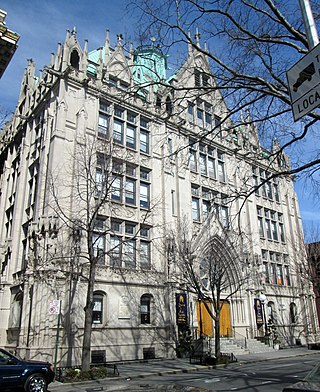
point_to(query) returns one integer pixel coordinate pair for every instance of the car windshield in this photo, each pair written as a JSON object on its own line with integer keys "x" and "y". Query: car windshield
{"x": 5, "y": 356}
{"x": 314, "y": 375}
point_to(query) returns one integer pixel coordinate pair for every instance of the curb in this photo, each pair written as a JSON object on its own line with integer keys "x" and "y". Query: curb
{"x": 56, "y": 386}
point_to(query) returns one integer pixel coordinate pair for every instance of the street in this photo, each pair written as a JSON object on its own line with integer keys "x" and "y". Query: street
{"x": 263, "y": 376}
{"x": 256, "y": 377}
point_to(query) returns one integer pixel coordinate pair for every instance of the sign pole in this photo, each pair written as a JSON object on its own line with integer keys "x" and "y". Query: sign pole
{"x": 308, "y": 21}
{"x": 57, "y": 339}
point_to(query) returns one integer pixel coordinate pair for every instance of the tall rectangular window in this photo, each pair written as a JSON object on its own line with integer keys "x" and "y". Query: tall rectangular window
{"x": 131, "y": 136}
{"x": 274, "y": 230}
{"x": 98, "y": 244}
{"x": 103, "y": 120}
{"x": 205, "y": 209}
{"x": 195, "y": 209}
{"x": 190, "y": 112}
{"x": 203, "y": 164}
{"x": 116, "y": 189}
{"x": 269, "y": 190}
{"x": 221, "y": 172}
{"x": 173, "y": 203}
{"x": 197, "y": 78}
{"x": 224, "y": 216}
{"x": 256, "y": 184}
{"x": 144, "y": 255}
{"x": 115, "y": 251}
{"x": 217, "y": 122}
{"x": 97, "y": 310}
{"x": 99, "y": 181}
{"x": 144, "y": 141}
{"x": 130, "y": 191}
{"x": 208, "y": 118}
{"x": 211, "y": 168}
{"x": 144, "y": 195}
{"x": 263, "y": 186}
{"x": 193, "y": 160}
{"x": 268, "y": 229}
{"x": 103, "y": 125}
{"x": 266, "y": 272}
{"x": 279, "y": 274}
{"x": 286, "y": 276}
{"x": 129, "y": 254}
{"x": 199, "y": 117}
{"x": 276, "y": 192}
{"x": 118, "y": 131}
{"x": 273, "y": 274}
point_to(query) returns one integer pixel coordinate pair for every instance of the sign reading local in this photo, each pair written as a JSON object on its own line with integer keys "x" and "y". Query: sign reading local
{"x": 304, "y": 84}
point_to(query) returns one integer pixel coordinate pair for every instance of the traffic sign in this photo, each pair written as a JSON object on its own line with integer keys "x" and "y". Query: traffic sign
{"x": 54, "y": 306}
{"x": 304, "y": 84}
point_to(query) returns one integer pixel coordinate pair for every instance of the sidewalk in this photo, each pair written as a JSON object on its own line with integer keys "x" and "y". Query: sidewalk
{"x": 144, "y": 369}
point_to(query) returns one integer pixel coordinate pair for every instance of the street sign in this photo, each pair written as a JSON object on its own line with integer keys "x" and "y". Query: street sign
{"x": 304, "y": 84}
{"x": 54, "y": 306}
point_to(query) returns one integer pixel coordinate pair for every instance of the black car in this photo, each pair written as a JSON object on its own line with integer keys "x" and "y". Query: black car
{"x": 33, "y": 376}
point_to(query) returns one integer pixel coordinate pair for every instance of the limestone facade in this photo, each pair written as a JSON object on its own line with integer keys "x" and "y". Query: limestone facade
{"x": 103, "y": 146}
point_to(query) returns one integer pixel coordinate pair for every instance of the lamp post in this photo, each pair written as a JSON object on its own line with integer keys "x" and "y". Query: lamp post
{"x": 263, "y": 298}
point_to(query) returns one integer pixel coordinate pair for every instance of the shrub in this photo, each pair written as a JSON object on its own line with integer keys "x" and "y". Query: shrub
{"x": 92, "y": 374}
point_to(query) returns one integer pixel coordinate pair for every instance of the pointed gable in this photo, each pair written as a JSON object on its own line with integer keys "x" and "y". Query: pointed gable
{"x": 118, "y": 65}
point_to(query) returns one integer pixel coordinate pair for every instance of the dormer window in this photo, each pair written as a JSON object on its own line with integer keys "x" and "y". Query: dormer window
{"x": 168, "y": 105}
{"x": 74, "y": 59}
{"x": 197, "y": 78}
{"x": 205, "y": 80}
{"x": 201, "y": 79}
{"x": 158, "y": 102}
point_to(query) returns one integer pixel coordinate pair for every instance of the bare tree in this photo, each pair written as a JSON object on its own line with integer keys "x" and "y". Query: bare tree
{"x": 209, "y": 264}
{"x": 250, "y": 45}
{"x": 81, "y": 201}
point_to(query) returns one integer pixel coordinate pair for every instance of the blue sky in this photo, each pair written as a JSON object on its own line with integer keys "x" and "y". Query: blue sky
{"x": 42, "y": 24}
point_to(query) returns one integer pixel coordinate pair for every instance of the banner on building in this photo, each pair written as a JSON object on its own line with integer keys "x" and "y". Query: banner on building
{"x": 259, "y": 312}
{"x": 182, "y": 309}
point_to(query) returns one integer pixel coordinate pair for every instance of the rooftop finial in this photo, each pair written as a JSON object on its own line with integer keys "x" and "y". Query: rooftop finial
{"x": 197, "y": 37}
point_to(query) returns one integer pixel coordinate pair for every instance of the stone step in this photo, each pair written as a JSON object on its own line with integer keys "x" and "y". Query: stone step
{"x": 230, "y": 345}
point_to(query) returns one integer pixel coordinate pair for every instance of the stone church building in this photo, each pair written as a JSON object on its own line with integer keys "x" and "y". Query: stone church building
{"x": 106, "y": 164}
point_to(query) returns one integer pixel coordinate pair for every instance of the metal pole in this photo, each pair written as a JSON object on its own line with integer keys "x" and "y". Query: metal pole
{"x": 57, "y": 339}
{"x": 311, "y": 30}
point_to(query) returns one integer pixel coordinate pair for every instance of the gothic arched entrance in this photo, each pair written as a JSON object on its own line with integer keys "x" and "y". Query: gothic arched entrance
{"x": 225, "y": 320}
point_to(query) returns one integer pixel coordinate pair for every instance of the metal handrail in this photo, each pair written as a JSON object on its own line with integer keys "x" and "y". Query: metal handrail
{"x": 239, "y": 338}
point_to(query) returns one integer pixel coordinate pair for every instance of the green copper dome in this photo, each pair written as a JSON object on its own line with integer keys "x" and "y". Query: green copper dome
{"x": 150, "y": 65}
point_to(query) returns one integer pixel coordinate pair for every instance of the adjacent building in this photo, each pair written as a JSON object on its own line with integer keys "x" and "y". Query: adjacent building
{"x": 8, "y": 43}
{"x": 106, "y": 155}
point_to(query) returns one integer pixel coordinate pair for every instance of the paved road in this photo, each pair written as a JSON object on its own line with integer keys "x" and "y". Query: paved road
{"x": 257, "y": 376}
{"x": 269, "y": 376}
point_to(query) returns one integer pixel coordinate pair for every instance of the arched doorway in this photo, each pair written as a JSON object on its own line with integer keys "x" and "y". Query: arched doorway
{"x": 205, "y": 322}
{"x": 225, "y": 320}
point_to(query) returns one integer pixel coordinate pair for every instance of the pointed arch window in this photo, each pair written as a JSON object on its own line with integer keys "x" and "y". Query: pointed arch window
{"x": 293, "y": 313}
{"x": 16, "y": 309}
{"x": 74, "y": 59}
{"x": 271, "y": 312}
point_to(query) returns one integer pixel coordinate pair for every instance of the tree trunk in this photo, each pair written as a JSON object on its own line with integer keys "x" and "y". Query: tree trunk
{"x": 217, "y": 336}
{"x": 87, "y": 330}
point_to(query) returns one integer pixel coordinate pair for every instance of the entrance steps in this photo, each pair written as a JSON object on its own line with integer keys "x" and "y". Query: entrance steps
{"x": 236, "y": 347}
